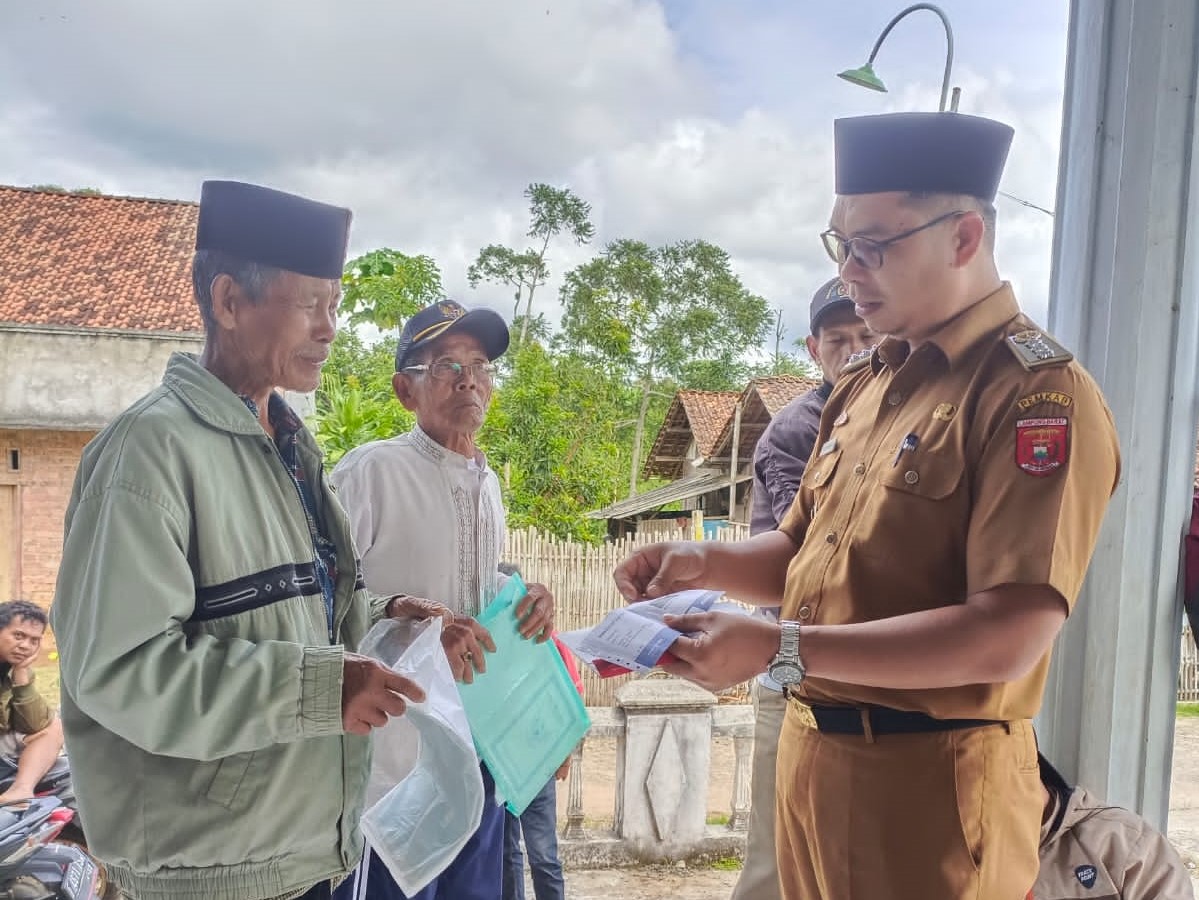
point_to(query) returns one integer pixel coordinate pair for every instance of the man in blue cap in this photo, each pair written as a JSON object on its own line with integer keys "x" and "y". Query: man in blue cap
{"x": 937, "y": 544}
{"x": 428, "y": 517}
{"x": 209, "y": 599}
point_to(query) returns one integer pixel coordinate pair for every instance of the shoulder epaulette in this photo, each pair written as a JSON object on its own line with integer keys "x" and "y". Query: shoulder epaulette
{"x": 858, "y": 360}
{"x": 1035, "y": 349}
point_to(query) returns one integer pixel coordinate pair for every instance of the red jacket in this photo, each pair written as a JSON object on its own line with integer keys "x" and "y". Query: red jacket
{"x": 571, "y": 667}
{"x": 1191, "y": 557}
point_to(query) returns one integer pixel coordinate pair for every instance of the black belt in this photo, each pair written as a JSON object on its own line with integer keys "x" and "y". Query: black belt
{"x": 851, "y": 720}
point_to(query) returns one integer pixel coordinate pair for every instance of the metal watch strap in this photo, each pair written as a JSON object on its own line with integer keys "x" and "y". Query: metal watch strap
{"x": 788, "y": 641}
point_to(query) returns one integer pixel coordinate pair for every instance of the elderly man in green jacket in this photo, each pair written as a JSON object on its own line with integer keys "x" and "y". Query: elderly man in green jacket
{"x": 209, "y": 599}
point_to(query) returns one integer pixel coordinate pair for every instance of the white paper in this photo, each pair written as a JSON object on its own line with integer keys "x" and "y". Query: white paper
{"x": 634, "y": 636}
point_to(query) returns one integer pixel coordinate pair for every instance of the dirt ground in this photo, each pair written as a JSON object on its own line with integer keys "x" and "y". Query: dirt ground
{"x": 682, "y": 883}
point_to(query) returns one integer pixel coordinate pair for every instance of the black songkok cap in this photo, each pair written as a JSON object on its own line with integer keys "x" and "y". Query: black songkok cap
{"x": 941, "y": 153}
{"x": 271, "y": 227}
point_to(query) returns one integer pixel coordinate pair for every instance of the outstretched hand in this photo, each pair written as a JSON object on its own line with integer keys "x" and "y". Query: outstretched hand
{"x": 661, "y": 569}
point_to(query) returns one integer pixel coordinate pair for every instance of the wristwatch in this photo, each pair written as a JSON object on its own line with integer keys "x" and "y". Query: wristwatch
{"x": 787, "y": 668}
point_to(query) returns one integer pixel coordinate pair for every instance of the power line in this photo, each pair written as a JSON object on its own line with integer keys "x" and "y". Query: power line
{"x": 1047, "y": 212}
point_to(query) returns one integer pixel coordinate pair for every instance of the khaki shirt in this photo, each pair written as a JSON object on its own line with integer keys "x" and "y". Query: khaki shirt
{"x": 1003, "y": 478}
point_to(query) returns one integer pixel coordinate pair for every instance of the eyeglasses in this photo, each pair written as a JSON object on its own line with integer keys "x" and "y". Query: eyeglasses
{"x": 867, "y": 252}
{"x": 446, "y": 370}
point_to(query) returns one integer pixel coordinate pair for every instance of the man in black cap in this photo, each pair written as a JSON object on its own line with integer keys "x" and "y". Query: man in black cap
{"x": 835, "y": 333}
{"x": 209, "y": 598}
{"x": 428, "y": 517}
{"x": 936, "y": 546}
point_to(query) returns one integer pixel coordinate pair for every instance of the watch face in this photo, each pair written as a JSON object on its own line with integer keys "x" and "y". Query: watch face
{"x": 786, "y": 673}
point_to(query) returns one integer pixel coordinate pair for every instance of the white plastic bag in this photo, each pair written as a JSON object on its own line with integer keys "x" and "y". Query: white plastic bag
{"x": 424, "y": 797}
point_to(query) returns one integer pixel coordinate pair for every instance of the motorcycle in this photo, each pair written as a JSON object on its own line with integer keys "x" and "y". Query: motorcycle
{"x": 56, "y": 784}
{"x": 32, "y": 866}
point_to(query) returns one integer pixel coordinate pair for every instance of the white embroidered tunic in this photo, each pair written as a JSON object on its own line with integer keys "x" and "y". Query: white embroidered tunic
{"x": 426, "y": 521}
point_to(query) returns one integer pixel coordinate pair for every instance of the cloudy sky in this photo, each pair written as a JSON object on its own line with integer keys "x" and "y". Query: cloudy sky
{"x": 674, "y": 118}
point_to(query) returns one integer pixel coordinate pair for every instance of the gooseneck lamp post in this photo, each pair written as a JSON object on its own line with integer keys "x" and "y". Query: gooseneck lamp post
{"x": 864, "y": 76}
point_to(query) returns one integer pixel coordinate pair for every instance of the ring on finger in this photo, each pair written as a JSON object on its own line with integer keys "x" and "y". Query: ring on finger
{"x": 467, "y": 656}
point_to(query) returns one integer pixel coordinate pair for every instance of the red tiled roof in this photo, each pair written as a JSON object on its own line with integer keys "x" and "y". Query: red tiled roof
{"x": 760, "y": 402}
{"x": 692, "y": 415}
{"x": 92, "y": 261}
{"x": 707, "y": 411}
{"x": 776, "y": 391}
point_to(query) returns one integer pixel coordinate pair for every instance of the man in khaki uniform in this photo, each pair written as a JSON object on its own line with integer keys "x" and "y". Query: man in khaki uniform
{"x": 934, "y": 550}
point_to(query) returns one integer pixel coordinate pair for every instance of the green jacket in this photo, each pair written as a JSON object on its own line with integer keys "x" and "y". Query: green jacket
{"x": 201, "y": 693}
{"x": 22, "y": 709}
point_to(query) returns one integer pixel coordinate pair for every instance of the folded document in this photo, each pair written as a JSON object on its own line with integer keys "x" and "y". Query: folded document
{"x": 634, "y": 638}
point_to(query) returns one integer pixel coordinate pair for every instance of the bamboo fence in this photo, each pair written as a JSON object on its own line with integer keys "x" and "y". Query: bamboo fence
{"x": 580, "y": 577}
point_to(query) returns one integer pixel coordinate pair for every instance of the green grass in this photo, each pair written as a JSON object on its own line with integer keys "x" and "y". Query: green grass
{"x": 46, "y": 679}
{"x": 727, "y": 864}
{"x": 1188, "y": 710}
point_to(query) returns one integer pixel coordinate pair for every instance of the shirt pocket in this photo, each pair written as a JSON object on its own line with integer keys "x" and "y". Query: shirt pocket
{"x": 818, "y": 476}
{"x": 914, "y": 524}
{"x": 930, "y": 476}
{"x": 232, "y": 781}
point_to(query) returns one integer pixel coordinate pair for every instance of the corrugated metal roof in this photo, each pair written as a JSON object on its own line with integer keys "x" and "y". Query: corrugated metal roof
{"x": 691, "y": 486}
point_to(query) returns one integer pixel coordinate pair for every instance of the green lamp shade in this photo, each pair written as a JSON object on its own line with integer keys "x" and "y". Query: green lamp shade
{"x": 864, "y": 77}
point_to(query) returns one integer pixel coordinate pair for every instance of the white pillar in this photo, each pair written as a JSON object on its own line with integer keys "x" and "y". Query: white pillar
{"x": 1125, "y": 297}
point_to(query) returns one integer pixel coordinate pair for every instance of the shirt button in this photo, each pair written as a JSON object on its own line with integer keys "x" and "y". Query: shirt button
{"x": 859, "y": 469}
{"x": 911, "y": 477}
{"x": 894, "y": 398}
{"x": 831, "y": 537}
{"x": 805, "y": 612}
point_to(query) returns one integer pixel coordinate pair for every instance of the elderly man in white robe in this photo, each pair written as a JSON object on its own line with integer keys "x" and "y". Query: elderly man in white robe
{"x": 428, "y": 520}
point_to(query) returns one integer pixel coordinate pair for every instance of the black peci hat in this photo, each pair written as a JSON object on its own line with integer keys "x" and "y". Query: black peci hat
{"x": 262, "y": 225}
{"x": 940, "y": 153}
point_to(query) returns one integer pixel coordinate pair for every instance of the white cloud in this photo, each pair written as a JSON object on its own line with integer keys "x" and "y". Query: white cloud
{"x": 430, "y": 118}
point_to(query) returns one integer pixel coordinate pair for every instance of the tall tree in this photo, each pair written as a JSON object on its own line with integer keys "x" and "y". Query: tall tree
{"x": 550, "y": 433}
{"x": 385, "y": 286}
{"x": 655, "y": 313}
{"x": 552, "y": 211}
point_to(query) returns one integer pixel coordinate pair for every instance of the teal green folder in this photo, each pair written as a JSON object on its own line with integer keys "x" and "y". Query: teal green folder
{"x": 524, "y": 712}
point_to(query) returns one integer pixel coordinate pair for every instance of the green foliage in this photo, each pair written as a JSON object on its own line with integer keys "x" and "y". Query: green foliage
{"x": 552, "y": 211}
{"x": 571, "y": 411}
{"x": 661, "y": 312}
{"x": 788, "y": 364}
{"x": 550, "y": 435}
{"x": 385, "y": 287}
{"x": 677, "y": 312}
{"x": 355, "y": 403}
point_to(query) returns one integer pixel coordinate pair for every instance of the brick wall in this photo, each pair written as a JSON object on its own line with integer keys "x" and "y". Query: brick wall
{"x": 48, "y": 460}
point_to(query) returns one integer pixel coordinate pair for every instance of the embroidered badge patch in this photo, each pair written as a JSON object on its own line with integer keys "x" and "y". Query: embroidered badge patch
{"x": 1085, "y": 876}
{"x": 944, "y": 412}
{"x": 1042, "y": 445}
{"x": 1057, "y": 398}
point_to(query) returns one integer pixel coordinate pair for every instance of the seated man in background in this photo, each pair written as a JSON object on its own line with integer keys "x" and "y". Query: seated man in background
{"x": 30, "y": 733}
{"x": 1092, "y": 850}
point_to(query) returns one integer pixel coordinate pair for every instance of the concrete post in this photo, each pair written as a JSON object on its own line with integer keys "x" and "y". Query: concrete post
{"x": 667, "y": 757}
{"x": 1125, "y": 298}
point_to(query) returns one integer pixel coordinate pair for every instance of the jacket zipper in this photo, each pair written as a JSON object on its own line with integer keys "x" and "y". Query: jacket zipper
{"x": 316, "y": 557}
